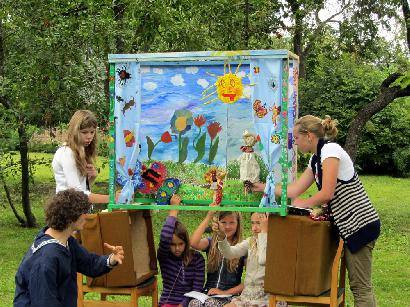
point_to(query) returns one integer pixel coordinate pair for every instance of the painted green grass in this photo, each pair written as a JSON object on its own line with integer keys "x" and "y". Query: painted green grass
{"x": 192, "y": 179}
{"x": 390, "y": 196}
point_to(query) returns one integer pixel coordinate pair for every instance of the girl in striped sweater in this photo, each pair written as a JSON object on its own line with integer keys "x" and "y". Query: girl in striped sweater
{"x": 351, "y": 211}
{"x": 182, "y": 269}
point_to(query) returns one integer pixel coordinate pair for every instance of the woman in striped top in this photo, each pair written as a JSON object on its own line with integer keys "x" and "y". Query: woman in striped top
{"x": 351, "y": 211}
{"x": 182, "y": 269}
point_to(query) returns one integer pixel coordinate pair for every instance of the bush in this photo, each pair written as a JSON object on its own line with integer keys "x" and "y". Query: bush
{"x": 401, "y": 159}
{"x": 49, "y": 147}
{"x": 383, "y": 137}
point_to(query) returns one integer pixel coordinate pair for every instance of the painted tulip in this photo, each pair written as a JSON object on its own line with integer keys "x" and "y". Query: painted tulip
{"x": 213, "y": 129}
{"x": 166, "y": 137}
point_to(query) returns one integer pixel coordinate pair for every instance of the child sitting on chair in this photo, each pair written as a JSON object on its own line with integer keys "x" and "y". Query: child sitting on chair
{"x": 223, "y": 275}
{"x": 254, "y": 248}
{"x": 182, "y": 269}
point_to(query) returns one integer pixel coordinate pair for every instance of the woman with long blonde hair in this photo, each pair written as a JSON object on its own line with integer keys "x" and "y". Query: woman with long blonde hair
{"x": 223, "y": 275}
{"x": 74, "y": 162}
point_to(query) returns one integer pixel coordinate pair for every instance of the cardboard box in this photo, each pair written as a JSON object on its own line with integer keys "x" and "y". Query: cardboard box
{"x": 130, "y": 229}
{"x": 299, "y": 256}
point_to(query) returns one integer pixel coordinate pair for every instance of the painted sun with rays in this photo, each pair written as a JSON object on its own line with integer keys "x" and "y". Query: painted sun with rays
{"x": 228, "y": 88}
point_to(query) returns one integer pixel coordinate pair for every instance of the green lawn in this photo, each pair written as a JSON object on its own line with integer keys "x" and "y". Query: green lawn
{"x": 391, "y": 197}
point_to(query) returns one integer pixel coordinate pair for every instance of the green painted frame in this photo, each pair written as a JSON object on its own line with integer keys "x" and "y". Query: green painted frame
{"x": 178, "y": 57}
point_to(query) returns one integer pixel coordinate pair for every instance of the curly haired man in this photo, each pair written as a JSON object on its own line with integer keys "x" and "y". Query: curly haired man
{"x": 48, "y": 273}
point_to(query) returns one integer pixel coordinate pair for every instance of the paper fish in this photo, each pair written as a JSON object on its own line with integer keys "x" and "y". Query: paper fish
{"x": 129, "y": 138}
{"x": 128, "y": 105}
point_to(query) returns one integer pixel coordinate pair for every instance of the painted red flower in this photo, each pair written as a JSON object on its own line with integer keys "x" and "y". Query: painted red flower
{"x": 213, "y": 129}
{"x": 199, "y": 121}
{"x": 166, "y": 137}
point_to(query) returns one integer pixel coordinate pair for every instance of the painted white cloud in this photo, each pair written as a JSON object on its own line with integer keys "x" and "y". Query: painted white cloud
{"x": 145, "y": 69}
{"x": 177, "y": 80}
{"x": 158, "y": 71}
{"x": 203, "y": 83}
{"x": 150, "y": 86}
{"x": 241, "y": 74}
{"x": 191, "y": 70}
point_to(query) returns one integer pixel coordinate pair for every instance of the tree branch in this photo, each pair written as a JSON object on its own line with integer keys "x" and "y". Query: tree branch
{"x": 386, "y": 95}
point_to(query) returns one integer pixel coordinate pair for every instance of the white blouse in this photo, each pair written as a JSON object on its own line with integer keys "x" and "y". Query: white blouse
{"x": 66, "y": 173}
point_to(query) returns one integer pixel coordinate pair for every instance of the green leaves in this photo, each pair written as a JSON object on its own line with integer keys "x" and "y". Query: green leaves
{"x": 183, "y": 150}
{"x": 213, "y": 149}
{"x": 403, "y": 81}
{"x": 200, "y": 147}
{"x": 151, "y": 146}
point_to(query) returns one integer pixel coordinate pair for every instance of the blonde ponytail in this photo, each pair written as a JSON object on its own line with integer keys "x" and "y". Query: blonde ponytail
{"x": 329, "y": 128}
{"x": 325, "y": 128}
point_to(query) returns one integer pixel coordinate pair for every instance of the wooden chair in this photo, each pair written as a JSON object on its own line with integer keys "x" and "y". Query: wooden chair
{"x": 145, "y": 289}
{"x": 334, "y": 297}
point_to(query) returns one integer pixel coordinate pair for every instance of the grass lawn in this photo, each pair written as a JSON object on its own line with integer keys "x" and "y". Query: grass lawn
{"x": 391, "y": 269}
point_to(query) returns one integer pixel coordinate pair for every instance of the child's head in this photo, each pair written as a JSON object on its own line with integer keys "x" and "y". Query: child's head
{"x": 231, "y": 224}
{"x": 256, "y": 223}
{"x": 81, "y": 121}
{"x": 82, "y": 138}
{"x": 180, "y": 243}
{"x": 67, "y": 209}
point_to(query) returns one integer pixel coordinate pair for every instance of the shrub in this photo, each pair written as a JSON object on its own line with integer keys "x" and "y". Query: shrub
{"x": 401, "y": 159}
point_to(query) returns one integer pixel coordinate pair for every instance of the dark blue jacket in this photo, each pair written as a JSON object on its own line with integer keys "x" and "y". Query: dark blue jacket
{"x": 47, "y": 276}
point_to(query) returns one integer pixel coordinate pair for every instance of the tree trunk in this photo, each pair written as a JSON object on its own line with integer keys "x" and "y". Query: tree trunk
{"x": 406, "y": 14}
{"x": 25, "y": 189}
{"x": 119, "y": 9}
{"x": 6, "y": 103}
{"x": 386, "y": 96}
{"x": 298, "y": 36}
{"x": 1, "y": 48}
{"x": 246, "y": 26}
{"x": 8, "y": 196}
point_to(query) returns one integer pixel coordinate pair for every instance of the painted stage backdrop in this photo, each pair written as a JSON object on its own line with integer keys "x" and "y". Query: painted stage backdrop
{"x": 203, "y": 128}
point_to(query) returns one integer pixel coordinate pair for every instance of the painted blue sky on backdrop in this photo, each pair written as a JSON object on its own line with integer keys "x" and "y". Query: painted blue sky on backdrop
{"x": 165, "y": 89}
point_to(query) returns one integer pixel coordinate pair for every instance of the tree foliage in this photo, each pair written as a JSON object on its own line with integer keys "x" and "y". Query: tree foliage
{"x": 53, "y": 54}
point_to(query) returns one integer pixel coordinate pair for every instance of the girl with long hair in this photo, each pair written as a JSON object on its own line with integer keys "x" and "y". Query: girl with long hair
{"x": 182, "y": 268}
{"x": 74, "y": 162}
{"x": 223, "y": 275}
{"x": 254, "y": 249}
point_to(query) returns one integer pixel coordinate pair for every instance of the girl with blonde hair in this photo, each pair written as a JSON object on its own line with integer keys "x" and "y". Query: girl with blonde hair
{"x": 340, "y": 189}
{"x": 254, "y": 249}
{"x": 223, "y": 275}
{"x": 74, "y": 162}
